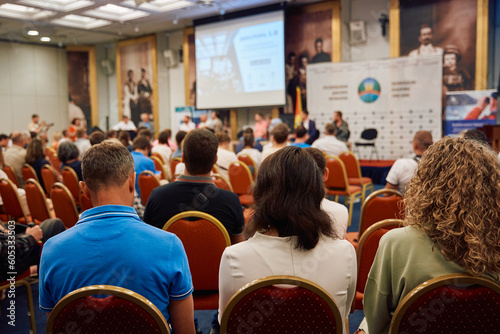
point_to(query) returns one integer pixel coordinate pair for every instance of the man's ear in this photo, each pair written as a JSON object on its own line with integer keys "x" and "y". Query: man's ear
{"x": 85, "y": 189}
{"x": 131, "y": 182}
{"x": 327, "y": 173}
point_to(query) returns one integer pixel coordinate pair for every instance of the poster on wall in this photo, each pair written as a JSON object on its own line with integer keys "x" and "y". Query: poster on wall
{"x": 469, "y": 110}
{"x": 308, "y": 40}
{"x": 137, "y": 79}
{"x": 445, "y": 27}
{"x": 397, "y": 97}
{"x": 79, "y": 68}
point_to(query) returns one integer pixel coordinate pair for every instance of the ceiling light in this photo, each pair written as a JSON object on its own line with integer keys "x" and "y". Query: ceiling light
{"x": 160, "y": 5}
{"x": 24, "y": 13}
{"x": 45, "y": 39}
{"x": 32, "y": 32}
{"x": 58, "y": 5}
{"x": 116, "y": 13}
{"x": 78, "y": 21}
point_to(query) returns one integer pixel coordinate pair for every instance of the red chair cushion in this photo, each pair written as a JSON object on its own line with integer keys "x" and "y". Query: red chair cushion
{"x": 282, "y": 310}
{"x": 246, "y": 199}
{"x": 355, "y": 180}
{"x": 352, "y": 190}
{"x": 104, "y": 315}
{"x": 449, "y": 309}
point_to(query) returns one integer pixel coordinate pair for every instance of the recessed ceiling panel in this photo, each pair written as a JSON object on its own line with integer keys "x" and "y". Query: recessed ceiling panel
{"x": 77, "y": 21}
{"x": 24, "y": 12}
{"x": 116, "y": 13}
{"x": 59, "y": 5}
{"x": 161, "y": 6}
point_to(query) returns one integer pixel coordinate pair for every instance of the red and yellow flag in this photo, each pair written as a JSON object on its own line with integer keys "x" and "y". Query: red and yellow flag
{"x": 298, "y": 108}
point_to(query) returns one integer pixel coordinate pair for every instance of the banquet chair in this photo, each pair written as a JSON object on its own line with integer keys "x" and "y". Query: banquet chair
{"x": 250, "y": 163}
{"x": 122, "y": 311}
{"x": 365, "y": 253}
{"x": 368, "y": 136}
{"x": 241, "y": 180}
{"x": 64, "y": 204}
{"x": 12, "y": 203}
{"x": 37, "y": 202}
{"x": 337, "y": 184}
{"x": 21, "y": 281}
{"x": 147, "y": 182}
{"x": 49, "y": 152}
{"x": 29, "y": 173}
{"x": 159, "y": 156}
{"x": 85, "y": 203}
{"x": 70, "y": 180}
{"x": 299, "y": 307}
{"x": 49, "y": 177}
{"x": 159, "y": 167}
{"x": 174, "y": 163}
{"x": 204, "y": 240}
{"x": 454, "y": 303}
{"x": 221, "y": 182}
{"x": 11, "y": 174}
{"x": 354, "y": 176}
{"x": 55, "y": 162}
{"x": 381, "y": 204}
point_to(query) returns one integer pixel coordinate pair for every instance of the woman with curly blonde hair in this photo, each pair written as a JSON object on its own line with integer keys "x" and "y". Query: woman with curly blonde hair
{"x": 452, "y": 208}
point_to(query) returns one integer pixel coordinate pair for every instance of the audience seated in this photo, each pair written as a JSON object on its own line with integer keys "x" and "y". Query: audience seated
{"x": 124, "y": 138}
{"x": 224, "y": 156}
{"x": 260, "y": 128}
{"x": 97, "y": 137}
{"x": 310, "y": 126}
{"x": 68, "y": 154}
{"x": 20, "y": 192}
{"x": 163, "y": 148}
{"x": 329, "y": 144}
{"x": 82, "y": 142}
{"x": 452, "y": 214}
{"x": 35, "y": 157}
{"x": 339, "y": 216}
{"x": 16, "y": 155}
{"x": 179, "y": 137}
{"x": 301, "y": 137}
{"x": 248, "y": 142}
{"x": 111, "y": 245}
{"x": 147, "y": 123}
{"x": 4, "y": 142}
{"x": 241, "y": 144}
{"x": 195, "y": 189}
{"x": 140, "y": 152}
{"x": 290, "y": 234}
{"x": 403, "y": 169}
{"x": 279, "y": 138}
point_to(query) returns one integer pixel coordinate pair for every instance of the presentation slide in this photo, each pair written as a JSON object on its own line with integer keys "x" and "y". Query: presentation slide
{"x": 240, "y": 62}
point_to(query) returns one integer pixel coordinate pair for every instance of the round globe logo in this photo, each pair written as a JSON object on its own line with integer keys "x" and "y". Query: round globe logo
{"x": 369, "y": 90}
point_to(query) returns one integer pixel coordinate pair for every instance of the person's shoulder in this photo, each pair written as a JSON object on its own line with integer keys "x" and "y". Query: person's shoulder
{"x": 402, "y": 235}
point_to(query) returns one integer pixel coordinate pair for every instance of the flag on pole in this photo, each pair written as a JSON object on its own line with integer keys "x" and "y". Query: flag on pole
{"x": 298, "y": 108}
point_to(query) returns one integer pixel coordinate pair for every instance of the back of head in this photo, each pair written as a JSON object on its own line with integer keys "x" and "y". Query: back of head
{"x": 423, "y": 139}
{"x": 330, "y": 129}
{"x": 318, "y": 157}
{"x": 67, "y": 151}
{"x": 111, "y": 134}
{"x": 17, "y": 138}
{"x": 124, "y": 138}
{"x": 3, "y": 136}
{"x": 145, "y": 133}
{"x": 478, "y": 135}
{"x": 300, "y": 131}
{"x": 141, "y": 143}
{"x": 288, "y": 194}
{"x": 248, "y": 140}
{"x": 106, "y": 165}
{"x": 223, "y": 137}
{"x": 164, "y": 136}
{"x": 454, "y": 197}
{"x": 248, "y": 130}
{"x": 200, "y": 151}
{"x": 179, "y": 137}
{"x": 96, "y": 137}
{"x": 34, "y": 151}
{"x": 280, "y": 133}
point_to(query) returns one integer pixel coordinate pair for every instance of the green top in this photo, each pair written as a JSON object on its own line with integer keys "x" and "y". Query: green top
{"x": 406, "y": 258}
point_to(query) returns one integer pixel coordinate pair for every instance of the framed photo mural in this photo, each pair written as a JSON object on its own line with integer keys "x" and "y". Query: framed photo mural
{"x": 82, "y": 86}
{"x": 137, "y": 78}
{"x": 189, "y": 59}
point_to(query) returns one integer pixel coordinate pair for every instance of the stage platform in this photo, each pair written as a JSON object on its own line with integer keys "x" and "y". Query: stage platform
{"x": 377, "y": 170}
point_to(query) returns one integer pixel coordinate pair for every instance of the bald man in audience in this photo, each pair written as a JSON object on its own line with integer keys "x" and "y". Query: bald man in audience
{"x": 195, "y": 190}
{"x": 329, "y": 144}
{"x": 403, "y": 169}
{"x": 110, "y": 245}
{"x": 16, "y": 155}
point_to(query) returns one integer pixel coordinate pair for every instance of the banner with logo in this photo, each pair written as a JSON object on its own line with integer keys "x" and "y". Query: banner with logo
{"x": 469, "y": 110}
{"x": 397, "y": 97}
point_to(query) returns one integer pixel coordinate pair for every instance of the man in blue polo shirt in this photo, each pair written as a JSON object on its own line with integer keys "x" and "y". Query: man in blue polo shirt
{"x": 111, "y": 245}
{"x": 140, "y": 152}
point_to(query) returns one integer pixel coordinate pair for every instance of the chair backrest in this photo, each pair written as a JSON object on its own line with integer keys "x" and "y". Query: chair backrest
{"x": 451, "y": 303}
{"x": 247, "y": 160}
{"x": 367, "y": 248}
{"x": 11, "y": 202}
{"x": 240, "y": 178}
{"x": 123, "y": 311}
{"x": 381, "y": 204}
{"x": 147, "y": 182}
{"x": 174, "y": 163}
{"x": 159, "y": 167}
{"x": 215, "y": 169}
{"x": 159, "y": 156}
{"x": 70, "y": 180}
{"x": 337, "y": 177}
{"x": 221, "y": 182}
{"x": 49, "y": 152}
{"x": 266, "y": 306}
{"x": 351, "y": 165}
{"x": 55, "y": 162}
{"x": 29, "y": 173}
{"x": 85, "y": 203}
{"x": 37, "y": 202}
{"x": 204, "y": 240}
{"x": 11, "y": 174}
{"x": 64, "y": 204}
{"x": 49, "y": 177}
{"x": 369, "y": 134}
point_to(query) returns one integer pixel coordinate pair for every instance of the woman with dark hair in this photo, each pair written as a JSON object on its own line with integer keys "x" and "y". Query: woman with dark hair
{"x": 124, "y": 138}
{"x": 68, "y": 154}
{"x": 452, "y": 214}
{"x": 35, "y": 157}
{"x": 290, "y": 234}
{"x": 163, "y": 148}
{"x": 248, "y": 149}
